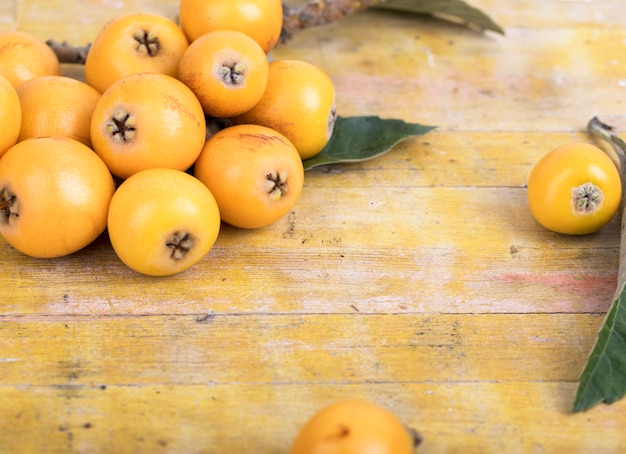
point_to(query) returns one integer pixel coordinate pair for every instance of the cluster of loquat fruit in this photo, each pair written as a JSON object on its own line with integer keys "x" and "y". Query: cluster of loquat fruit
{"x": 129, "y": 150}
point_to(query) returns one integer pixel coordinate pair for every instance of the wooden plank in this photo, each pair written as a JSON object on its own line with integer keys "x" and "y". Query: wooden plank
{"x": 452, "y": 417}
{"x": 266, "y": 348}
{"x": 422, "y": 259}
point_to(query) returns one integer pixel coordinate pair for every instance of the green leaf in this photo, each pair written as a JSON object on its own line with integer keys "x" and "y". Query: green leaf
{"x": 452, "y": 10}
{"x": 604, "y": 377}
{"x": 360, "y": 138}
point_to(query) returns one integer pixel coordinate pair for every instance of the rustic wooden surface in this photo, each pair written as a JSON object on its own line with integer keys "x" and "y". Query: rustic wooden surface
{"x": 417, "y": 280}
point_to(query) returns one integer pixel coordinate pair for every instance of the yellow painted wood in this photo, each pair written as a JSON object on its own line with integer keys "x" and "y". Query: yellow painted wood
{"x": 417, "y": 280}
{"x": 237, "y": 417}
{"x": 267, "y": 348}
{"x": 378, "y": 252}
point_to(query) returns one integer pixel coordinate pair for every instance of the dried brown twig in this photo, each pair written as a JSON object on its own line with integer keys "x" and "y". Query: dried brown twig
{"x": 295, "y": 19}
{"x": 66, "y": 53}
{"x": 319, "y": 12}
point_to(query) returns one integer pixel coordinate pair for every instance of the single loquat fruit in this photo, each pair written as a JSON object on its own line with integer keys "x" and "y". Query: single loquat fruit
{"x": 255, "y": 174}
{"x": 227, "y": 70}
{"x": 162, "y": 221}
{"x": 262, "y": 20}
{"x": 54, "y": 196}
{"x": 354, "y": 427}
{"x": 54, "y": 106}
{"x": 131, "y": 44}
{"x": 147, "y": 120}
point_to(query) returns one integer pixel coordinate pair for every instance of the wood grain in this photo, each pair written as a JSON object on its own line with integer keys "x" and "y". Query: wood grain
{"x": 417, "y": 280}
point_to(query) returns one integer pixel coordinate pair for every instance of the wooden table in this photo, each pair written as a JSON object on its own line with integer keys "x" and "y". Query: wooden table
{"x": 417, "y": 280}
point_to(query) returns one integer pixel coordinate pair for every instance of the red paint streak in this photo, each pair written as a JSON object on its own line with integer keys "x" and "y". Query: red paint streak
{"x": 583, "y": 284}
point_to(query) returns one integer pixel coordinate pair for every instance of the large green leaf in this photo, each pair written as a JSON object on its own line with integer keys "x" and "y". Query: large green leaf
{"x": 604, "y": 377}
{"x": 453, "y": 10}
{"x": 360, "y": 138}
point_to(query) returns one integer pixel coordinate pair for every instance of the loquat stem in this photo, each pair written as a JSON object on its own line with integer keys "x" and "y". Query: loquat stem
{"x": 606, "y": 132}
{"x": 601, "y": 130}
